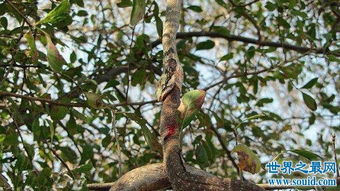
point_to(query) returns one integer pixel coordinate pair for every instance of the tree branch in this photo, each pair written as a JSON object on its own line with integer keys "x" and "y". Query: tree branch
{"x": 236, "y": 76}
{"x": 255, "y": 72}
{"x": 287, "y": 46}
{"x": 225, "y": 148}
{"x": 153, "y": 177}
{"x": 19, "y": 12}
{"x": 53, "y": 102}
{"x": 110, "y": 74}
{"x": 19, "y": 66}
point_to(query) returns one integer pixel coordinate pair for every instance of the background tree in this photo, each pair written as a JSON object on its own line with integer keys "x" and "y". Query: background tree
{"x": 78, "y": 77}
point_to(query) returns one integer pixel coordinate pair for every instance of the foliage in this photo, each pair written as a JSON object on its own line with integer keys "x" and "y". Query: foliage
{"x": 70, "y": 69}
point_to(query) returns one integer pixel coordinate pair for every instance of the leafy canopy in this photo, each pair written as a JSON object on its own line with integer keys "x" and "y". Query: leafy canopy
{"x": 70, "y": 70}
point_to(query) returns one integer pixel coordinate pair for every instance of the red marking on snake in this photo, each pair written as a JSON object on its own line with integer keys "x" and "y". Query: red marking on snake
{"x": 171, "y": 130}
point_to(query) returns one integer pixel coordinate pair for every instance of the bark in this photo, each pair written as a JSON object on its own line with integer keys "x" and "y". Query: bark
{"x": 154, "y": 177}
{"x": 149, "y": 178}
{"x": 146, "y": 178}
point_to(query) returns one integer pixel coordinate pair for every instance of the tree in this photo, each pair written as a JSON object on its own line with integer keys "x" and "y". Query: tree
{"x": 77, "y": 88}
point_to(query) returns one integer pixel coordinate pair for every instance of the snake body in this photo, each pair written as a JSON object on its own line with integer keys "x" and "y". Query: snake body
{"x": 172, "y": 70}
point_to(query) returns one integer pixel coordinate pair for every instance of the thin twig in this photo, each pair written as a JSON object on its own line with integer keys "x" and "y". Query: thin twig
{"x": 19, "y": 66}
{"x": 248, "y": 4}
{"x": 70, "y": 136}
{"x": 61, "y": 160}
{"x": 20, "y": 13}
{"x": 116, "y": 137}
{"x": 225, "y": 148}
{"x": 52, "y": 102}
{"x": 249, "y": 18}
{"x": 287, "y": 46}
{"x": 255, "y": 72}
{"x": 236, "y": 76}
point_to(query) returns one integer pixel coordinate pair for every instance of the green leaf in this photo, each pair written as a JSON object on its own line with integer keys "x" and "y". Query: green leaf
{"x": 312, "y": 31}
{"x": 197, "y": 9}
{"x": 270, "y": 6}
{"x": 219, "y": 122}
{"x": 106, "y": 141}
{"x": 136, "y": 118}
{"x": 69, "y": 154}
{"x": 58, "y": 112}
{"x": 331, "y": 108}
{"x": 250, "y": 52}
{"x": 151, "y": 139}
{"x": 159, "y": 26}
{"x": 283, "y": 22}
{"x": 311, "y": 83}
{"x": 124, "y": 3}
{"x": 72, "y": 126}
{"x": 52, "y": 130}
{"x": 227, "y": 57}
{"x": 55, "y": 60}
{"x": 138, "y": 11}
{"x": 73, "y": 57}
{"x": 263, "y": 101}
{"x": 222, "y": 30}
{"x": 83, "y": 169}
{"x": 209, "y": 44}
{"x": 36, "y": 129}
{"x": 222, "y": 3}
{"x": 58, "y": 14}
{"x": 80, "y": 3}
{"x": 4, "y": 22}
{"x": 94, "y": 100}
{"x": 11, "y": 139}
{"x": 82, "y": 13}
{"x": 33, "y": 48}
{"x": 2, "y": 138}
{"x": 309, "y": 101}
{"x": 292, "y": 70}
{"x": 87, "y": 153}
{"x": 248, "y": 160}
{"x": 138, "y": 77}
{"x": 209, "y": 148}
{"x": 299, "y": 13}
{"x": 307, "y": 154}
{"x": 201, "y": 155}
{"x": 311, "y": 119}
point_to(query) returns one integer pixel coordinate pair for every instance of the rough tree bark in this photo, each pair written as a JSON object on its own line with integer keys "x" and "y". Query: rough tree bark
{"x": 153, "y": 177}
